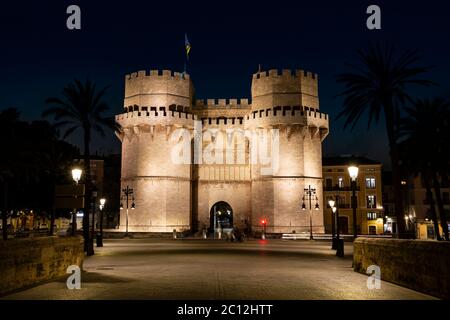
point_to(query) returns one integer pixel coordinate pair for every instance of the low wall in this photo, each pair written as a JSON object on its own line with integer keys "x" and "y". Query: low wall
{"x": 419, "y": 265}
{"x": 29, "y": 261}
{"x": 138, "y": 235}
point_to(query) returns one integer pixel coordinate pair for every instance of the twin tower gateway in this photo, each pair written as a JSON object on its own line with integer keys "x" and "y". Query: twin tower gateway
{"x": 223, "y": 163}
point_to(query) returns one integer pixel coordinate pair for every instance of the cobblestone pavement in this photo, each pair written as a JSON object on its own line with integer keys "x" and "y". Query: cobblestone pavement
{"x": 207, "y": 269}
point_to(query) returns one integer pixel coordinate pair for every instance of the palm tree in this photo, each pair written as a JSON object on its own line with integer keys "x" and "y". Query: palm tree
{"x": 82, "y": 107}
{"x": 56, "y": 161}
{"x": 418, "y": 164}
{"x": 426, "y": 125}
{"x": 379, "y": 86}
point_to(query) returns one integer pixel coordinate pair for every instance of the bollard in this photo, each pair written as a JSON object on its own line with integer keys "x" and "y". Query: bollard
{"x": 263, "y": 235}
{"x": 174, "y": 233}
{"x": 99, "y": 240}
{"x": 204, "y": 233}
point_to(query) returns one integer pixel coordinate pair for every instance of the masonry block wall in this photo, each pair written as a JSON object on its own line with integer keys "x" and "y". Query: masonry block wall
{"x": 30, "y": 261}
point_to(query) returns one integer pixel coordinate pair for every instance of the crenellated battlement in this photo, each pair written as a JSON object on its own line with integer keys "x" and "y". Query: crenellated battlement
{"x": 272, "y": 115}
{"x": 158, "y": 87}
{"x": 285, "y": 87}
{"x": 222, "y": 103}
{"x": 155, "y": 112}
{"x": 287, "y": 111}
{"x": 172, "y": 107}
{"x": 155, "y": 118}
{"x": 286, "y": 116}
{"x": 286, "y": 73}
{"x": 157, "y": 74}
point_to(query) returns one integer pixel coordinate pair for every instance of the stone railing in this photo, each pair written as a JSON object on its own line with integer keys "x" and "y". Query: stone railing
{"x": 419, "y": 265}
{"x": 30, "y": 261}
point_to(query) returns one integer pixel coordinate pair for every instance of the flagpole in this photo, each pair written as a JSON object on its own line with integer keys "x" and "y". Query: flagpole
{"x": 186, "y": 61}
{"x": 187, "y": 47}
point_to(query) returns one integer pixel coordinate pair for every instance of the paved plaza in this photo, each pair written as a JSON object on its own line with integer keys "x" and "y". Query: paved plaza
{"x": 207, "y": 269}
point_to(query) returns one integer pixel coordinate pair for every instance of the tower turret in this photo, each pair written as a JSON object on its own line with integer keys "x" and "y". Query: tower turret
{"x": 285, "y": 109}
{"x": 158, "y": 88}
{"x": 156, "y": 105}
{"x": 285, "y": 88}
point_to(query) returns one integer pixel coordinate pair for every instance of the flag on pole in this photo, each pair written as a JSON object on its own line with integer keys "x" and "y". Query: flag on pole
{"x": 187, "y": 45}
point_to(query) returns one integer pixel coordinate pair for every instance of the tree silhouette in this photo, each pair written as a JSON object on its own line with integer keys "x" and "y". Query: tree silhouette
{"x": 82, "y": 107}
{"x": 379, "y": 85}
{"x": 426, "y": 128}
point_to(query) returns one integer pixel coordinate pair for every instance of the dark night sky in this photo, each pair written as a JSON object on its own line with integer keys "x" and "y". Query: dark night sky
{"x": 39, "y": 55}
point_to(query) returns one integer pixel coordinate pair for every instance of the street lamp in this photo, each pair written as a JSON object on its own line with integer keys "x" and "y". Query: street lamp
{"x": 353, "y": 172}
{"x": 339, "y": 242}
{"x": 90, "y": 249}
{"x": 76, "y": 176}
{"x": 331, "y": 203}
{"x": 100, "y": 237}
{"x": 127, "y": 194}
{"x": 309, "y": 194}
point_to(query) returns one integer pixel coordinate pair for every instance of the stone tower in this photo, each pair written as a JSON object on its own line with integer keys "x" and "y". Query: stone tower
{"x": 265, "y": 153}
{"x": 160, "y": 187}
{"x": 287, "y": 103}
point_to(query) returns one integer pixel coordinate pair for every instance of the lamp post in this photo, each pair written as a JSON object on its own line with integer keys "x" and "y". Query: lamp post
{"x": 309, "y": 193}
{"x": 331, "y": 203}
{"x": 100, "y": 236}
{"x": 339, "y": 242}
{"x": 76, "y": 176}
{"x": 353, "y": 172}
{"x": 90, "y": 250}
{"x": 127, "y": 194}
{"x": 334, "y": 245}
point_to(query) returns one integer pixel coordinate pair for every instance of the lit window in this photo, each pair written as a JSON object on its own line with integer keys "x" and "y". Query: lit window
{"x": 370, "y": 183}
{"x": 371, "y": 202}
{"x": 341, "y": 183}
{"x": 372, "y": 216}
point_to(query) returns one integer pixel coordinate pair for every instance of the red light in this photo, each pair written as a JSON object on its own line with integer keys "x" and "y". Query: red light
{"x": 263, "y": 221}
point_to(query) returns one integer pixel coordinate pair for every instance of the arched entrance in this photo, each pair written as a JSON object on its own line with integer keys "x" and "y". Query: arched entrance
{"x": 221, "y": 215}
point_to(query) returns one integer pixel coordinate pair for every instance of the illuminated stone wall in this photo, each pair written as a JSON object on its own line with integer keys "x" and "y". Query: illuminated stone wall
{"x": 285, "y": 105}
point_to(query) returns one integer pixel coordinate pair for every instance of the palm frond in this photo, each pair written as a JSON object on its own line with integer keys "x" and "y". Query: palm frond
{"x": 379, "y": 83}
